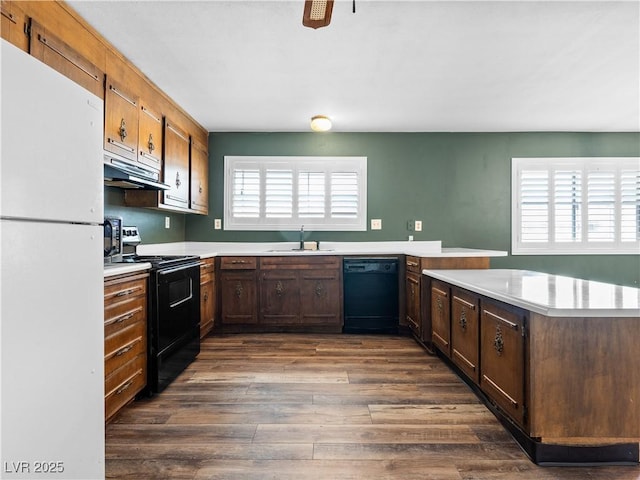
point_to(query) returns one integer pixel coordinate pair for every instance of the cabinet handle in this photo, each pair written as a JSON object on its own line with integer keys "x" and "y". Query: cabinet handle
{"x": 178, "y": 182}
{"x": 440, "y": 306}
{"x": 498, "y": 341}
{"x": 123, "y": 96}
{"x": 206, "y": 296}
{"x": 123, "y": 130}
{"x": 464, "y": 302}
{"x": 513, "y": 403}
{"x": 124, "y": 317}
{"x": 123, "y": 350}
{"x": 503, "y": 320}
{"x": 236, "y": 262}
{"x": 463, "y": 319}
{"x": 121, "y": 145}
{"x": 150, "y": 145}
{"x": 74, "y": 61}
{"x": 127, "y": 292}
{"x": 320, "y": 290}
{"x": 279, "y": 288}
{"x": 440, "y": 292}
{"x": 7, "y": 14}
{"x": 200, "y": 187}
{"x": 177, "y": 132}
{"x": 239, "y": 290}
{"x": 412, "y": 264}
{"x": 148, "y": 112}
{"x": 124, "y": 387}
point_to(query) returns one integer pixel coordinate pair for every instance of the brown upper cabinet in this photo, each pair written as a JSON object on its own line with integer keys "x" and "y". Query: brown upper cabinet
{"x": 13, "y": 26}
{"x": 199, "y": 193}
{"x": 176, "y": 165}
{"x": 121, "y": 120}
{"x": 150, "y": 137}
{"x": 49, "y": 49}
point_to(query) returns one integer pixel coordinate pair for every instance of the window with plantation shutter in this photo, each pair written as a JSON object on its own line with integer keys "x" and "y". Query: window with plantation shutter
{"x": 575, "y": 205}
{"x": 284, "y": 193}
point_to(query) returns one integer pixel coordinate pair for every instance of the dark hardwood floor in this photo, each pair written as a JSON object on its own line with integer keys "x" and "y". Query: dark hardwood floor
{"x": 288, "y": 406}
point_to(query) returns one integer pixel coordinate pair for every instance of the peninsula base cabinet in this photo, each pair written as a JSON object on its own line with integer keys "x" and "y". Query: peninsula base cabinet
{"x": 567, "y": 388}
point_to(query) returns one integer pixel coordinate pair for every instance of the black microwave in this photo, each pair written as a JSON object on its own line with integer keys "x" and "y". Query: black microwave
{"x": 113, "y": 239}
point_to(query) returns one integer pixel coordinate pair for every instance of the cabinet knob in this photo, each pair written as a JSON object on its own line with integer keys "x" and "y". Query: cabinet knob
{"x": 151, "y": 146}
{"x": 200, "y": 188}
{"x": 239, "y": 290}
{"x": 279, "y": 288}
{"x": 320, "y": 290}
{"x": 498, "y": 342}
{"x": 178, "y": 182}
{"x": 122, "y": 131}
{"x": 463, "y": 319}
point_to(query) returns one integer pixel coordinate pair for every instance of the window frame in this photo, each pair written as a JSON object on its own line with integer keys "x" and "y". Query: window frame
{"x": 327, "y": 164}
{"x": 584, "y": 246}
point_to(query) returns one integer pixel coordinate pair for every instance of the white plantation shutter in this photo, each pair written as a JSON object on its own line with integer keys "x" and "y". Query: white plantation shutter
{"x": 311, "y": 194}
{"x": 575, "y": 205}
{"x": 344, "y": 195}
{"x": 284, "y": 193}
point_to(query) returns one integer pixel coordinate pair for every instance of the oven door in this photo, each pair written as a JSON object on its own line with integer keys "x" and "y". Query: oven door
{"x": 178, "y": 310}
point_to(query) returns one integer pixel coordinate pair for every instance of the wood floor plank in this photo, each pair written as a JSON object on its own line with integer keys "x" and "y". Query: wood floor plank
{"x": 321, "y": 407}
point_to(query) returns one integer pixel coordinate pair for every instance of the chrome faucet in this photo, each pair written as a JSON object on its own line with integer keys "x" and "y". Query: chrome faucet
{"x": 301, "y": 237}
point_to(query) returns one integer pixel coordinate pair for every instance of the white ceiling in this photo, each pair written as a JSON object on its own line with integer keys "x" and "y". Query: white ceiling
{"x": 393, "y": 66}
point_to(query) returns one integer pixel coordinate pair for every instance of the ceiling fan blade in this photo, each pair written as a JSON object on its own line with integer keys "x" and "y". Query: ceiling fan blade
{"x": 317, "y": 13}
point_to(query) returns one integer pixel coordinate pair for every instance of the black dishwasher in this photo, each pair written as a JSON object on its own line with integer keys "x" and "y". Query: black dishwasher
{"x": 370, "y": 295}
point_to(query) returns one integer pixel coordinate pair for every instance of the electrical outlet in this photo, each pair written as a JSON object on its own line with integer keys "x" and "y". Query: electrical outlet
{"x": 418, "y": 225}
{"x": 167, "y": 222}
{"x": 217, "y": 224}
{"x": 376, "y": 224}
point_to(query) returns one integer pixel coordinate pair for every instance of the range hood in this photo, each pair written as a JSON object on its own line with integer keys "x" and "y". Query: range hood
{"x": 122, "y": 174}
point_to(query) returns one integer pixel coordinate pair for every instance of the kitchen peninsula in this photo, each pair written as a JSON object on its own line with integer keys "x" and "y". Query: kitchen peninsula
{"x": 556, "y": 358}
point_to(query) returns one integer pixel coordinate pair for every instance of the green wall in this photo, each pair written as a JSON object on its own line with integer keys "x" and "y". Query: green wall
{"x": 458, "y": 184}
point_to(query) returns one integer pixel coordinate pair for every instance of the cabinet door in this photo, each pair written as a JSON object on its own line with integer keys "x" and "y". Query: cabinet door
{"x": 413, "y": 302}
{"x": 176, "y": 165}
{"x": 150, "y": 137}
{"x": 321, "y": 297}
{"x": 120, "y": 120}
{"x": 13, "y": 24}
{"x": 58, "y": 55}
{"x": 440, "y": 316}
{"x": 465, "y": 331}
{"x": 238, "y": 297}
{"x": 279, "y": 297}
{"x": 502, "y": 359}
{"x": 199, "y": 178}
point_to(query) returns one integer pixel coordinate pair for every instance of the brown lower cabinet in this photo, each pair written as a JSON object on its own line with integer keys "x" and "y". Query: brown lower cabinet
{"x": 125, "y": 340}
{"x": 294, "y": 293}
{"x": 567, "y": 388}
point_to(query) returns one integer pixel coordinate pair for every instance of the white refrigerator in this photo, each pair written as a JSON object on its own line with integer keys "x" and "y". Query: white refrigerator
{"x": 51, "y": 274}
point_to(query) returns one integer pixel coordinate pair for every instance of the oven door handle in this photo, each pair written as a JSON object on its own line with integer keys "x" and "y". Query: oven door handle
{"x": 180, "y": 302}
{"x": 176, "y": 269}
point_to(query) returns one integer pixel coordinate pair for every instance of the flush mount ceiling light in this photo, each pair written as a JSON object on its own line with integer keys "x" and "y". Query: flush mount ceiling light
{"x": 317, "y": 13}
{"x": 320, "y": 123}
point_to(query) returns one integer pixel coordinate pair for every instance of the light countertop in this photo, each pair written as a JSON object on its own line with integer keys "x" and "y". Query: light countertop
{"x": 113, "y": 269}
{"x": 213, "y": 249}
{"x": 550, "y": 295}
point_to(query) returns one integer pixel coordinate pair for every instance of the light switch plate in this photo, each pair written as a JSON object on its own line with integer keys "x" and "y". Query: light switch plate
{"x": 418, "y": 225}
{"x": 217, "y": 224}
{"x": 376, "y": 224}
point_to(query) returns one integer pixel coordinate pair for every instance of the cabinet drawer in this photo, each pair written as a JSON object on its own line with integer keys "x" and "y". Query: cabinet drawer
{"x": 238, "y": 263}
{"x": 123, "y": 315}
{"x": 413, "y": 264}
{"x": 122, "y": 386}
{"x": 206, "y": 278}
{"x": 300, "y": 262}
{"x": 122, "y": 290}
{"x": 123, "y": 353}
